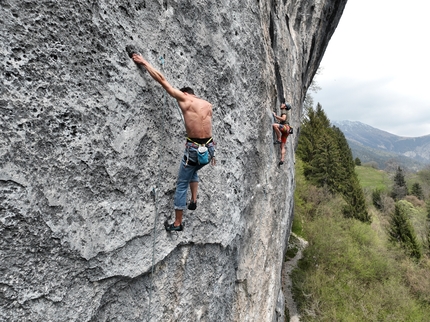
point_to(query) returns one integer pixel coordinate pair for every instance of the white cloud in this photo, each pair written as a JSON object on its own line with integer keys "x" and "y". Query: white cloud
{"x": 376, "y": 67}
{"x": 374, "y": 103}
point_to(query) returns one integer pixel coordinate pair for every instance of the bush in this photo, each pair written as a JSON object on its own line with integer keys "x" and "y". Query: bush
{"x": 387, "y": 204}
{"x": 371, "y": 164}
{"x": 418, "y": 278}
{"x": 401, "y": 231}
{"x": 344, "y": 276}
{"x": 357, "y": 161}
{"x": 415, "y": 201}
{"x": 348, "y": 273}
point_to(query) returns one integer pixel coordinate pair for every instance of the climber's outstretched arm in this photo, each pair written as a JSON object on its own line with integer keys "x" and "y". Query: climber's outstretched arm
{"x": 155, "y": 74}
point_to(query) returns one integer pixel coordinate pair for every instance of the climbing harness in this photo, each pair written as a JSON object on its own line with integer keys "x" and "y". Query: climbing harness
{"x": 202, "y": 151}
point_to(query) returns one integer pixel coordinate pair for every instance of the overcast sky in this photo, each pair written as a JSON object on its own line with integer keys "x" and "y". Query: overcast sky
{"x": 376, "y": 68}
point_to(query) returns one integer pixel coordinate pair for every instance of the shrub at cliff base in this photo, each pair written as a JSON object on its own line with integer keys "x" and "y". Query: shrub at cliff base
{"x": 343, "y": 277}
{"x": 350, "y": 272}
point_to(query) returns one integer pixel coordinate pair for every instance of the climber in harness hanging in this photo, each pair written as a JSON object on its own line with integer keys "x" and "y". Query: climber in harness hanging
{"x": 199, "y": 146}
{"x": 282, "y": 129}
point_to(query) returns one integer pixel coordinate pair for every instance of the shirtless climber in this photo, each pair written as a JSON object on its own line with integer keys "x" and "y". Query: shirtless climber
{"x": 282, "y": 129}
{"x": 198, "y": 124}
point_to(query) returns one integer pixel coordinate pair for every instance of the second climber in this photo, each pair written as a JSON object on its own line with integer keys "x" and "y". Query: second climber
{"x": 282, "y": 129}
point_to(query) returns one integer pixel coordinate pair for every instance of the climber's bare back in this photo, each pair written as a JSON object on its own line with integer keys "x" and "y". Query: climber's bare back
{"x": 197, "y": 116}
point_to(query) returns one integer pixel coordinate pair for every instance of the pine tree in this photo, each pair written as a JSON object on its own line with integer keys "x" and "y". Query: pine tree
{"x": 428, "y": 238}
{"x": 356, "y": 202}
{"x": 428, "y": 225}
{"x": 401, "y": 231}
{"x": 428, "y": 209}
{"x": 316, "y": 148}
{"x": 400, "y": 190}
{"x": 321, "y": 170}
{"x": 311, "y": 133}
{"x": 328, "y": 162}
{"x": 399, "y": 178}
{"x": 345, "y": 163}
{"x": 417, "y": 191}
{"x": 377, "y": 199}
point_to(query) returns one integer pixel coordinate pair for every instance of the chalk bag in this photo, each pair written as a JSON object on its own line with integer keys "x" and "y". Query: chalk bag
{"x": 202, "y": 155}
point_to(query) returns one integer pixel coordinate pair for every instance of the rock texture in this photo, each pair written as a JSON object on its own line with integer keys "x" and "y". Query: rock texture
{"x": 90, "y": 146}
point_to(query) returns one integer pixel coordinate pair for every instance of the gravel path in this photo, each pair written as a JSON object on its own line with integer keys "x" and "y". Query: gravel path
{"x": 289, "y": 266}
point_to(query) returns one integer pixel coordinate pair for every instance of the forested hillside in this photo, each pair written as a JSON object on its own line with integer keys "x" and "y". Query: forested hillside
{"x": 328, "y": 162}
{"x": 383, "y": 149}
{"x": 368, "y": 253}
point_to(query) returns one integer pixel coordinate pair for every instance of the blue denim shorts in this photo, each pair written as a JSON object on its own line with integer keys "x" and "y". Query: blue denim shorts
{"x": 188, "y": 173}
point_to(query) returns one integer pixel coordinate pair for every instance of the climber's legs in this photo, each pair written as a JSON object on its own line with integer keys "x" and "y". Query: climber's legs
{"x": 277, "y": 131}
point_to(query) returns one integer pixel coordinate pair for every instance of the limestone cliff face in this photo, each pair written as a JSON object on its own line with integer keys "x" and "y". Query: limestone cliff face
{"x": 90, "y": 147}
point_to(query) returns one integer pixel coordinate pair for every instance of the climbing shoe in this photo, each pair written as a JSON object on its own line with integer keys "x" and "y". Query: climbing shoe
{"x": 277, "y": 142}
{"x": 280, "y": 163}
{"x": 172, "y": 227}
{"x": 192, "y": 205}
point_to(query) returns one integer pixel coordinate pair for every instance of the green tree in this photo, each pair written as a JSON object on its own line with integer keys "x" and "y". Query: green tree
{"x": 347, "y": 181}
{"x": 428, "y": 209}
{"x": 345, "y": 163}
{"x": 328, "y": 162}
{"x": 417, "y": 191}
{"x": 377, "y": 199}
{"x": 428, "y": 225}
{"x": 401, "y": 230}
{"x": 356, "y": 202}
{"x": 311, "y": 134}
{"x": 400, "y": 190}
{"x": 399, "y": 178}
{"x": 321, "y": 169}
{"x": 428, "y": 239}
{"x": 425, "y": 174}
{"x": 357, "y": 161}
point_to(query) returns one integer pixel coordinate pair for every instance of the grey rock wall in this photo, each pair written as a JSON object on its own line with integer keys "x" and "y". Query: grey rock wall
{"x": 90, "y": 147}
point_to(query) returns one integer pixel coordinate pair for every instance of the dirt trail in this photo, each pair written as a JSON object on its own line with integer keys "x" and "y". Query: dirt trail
{"x": 289, "y": 266}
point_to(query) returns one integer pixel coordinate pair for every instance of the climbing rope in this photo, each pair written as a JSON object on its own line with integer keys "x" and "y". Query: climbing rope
{"x": 155, "y": 192}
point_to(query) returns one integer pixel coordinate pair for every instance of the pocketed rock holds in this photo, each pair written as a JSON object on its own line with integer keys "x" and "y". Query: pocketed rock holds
{"x": 81, "y": 138}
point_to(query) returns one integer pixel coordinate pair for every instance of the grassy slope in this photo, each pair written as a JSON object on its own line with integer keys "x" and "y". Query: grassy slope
{"x": 371, "y": 178}
{"x": 350, "y": 272}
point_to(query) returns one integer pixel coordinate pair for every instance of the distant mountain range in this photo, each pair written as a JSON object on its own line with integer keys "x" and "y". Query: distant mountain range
{"x": 386, "y": 149}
